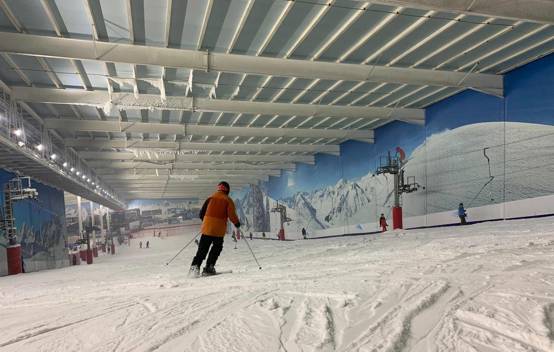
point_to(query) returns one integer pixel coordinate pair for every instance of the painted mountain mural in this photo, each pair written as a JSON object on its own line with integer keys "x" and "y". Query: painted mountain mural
{"x": 476, "y": 164}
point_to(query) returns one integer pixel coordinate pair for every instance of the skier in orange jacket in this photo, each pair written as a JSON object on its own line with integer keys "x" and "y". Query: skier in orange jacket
{"x": 214, "y": 214}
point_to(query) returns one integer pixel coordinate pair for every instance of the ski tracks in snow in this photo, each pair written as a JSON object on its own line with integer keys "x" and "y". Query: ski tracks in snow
{"x": 482, "y": 288}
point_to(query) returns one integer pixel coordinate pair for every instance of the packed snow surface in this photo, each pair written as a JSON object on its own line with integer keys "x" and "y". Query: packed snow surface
{"x": 485, "y": 287}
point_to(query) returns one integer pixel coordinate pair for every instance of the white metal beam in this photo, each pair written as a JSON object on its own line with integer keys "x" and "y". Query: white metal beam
{"x": 161, "y": 195}
{"x": 115, "y": 183}
{"x": 209, "y": 186}
{"x": 524, "y": 10}
{"x": 183, "y": 146}
{"x": 201, "y": 130}
{"x": 177, "y": 176}
{"x": 192, "y": 166}
{"x": 102, "y": 99}
{"x": 308, "y": 159}
{"x": 69, "y": 48}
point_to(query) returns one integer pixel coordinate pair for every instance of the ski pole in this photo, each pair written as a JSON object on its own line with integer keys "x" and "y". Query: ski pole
{"x": 186, "y": 245}
{"x": 254, "y": 256}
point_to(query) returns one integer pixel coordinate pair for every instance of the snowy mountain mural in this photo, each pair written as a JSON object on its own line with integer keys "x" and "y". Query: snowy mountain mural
{"x": 40, "y": 226}
{"x": 452, "y": 166}
{"x": 347, "y": 202}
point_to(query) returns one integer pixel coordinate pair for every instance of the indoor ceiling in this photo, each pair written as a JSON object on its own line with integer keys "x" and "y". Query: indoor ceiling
{"x": 163, "y": 98}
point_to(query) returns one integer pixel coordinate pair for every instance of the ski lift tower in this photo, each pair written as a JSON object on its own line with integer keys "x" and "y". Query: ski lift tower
{"x": 394, "y": 166}
{"x": 282, "y": 210}
{"x": 15, "y": 190}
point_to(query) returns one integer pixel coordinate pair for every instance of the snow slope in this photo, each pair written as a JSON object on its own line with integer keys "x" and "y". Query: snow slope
{"x": 486, "y": 287}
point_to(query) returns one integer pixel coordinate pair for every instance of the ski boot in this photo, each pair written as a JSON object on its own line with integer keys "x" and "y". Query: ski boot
{"x": 194, "y": 271}
{"x": 209, "y": 270}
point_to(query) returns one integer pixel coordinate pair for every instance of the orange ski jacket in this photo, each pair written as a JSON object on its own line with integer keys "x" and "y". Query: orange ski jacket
{"x": 215, "y": 212}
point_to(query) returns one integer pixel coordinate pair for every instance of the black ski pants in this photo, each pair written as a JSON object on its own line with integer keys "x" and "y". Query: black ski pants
{"x": 203, "y": 248}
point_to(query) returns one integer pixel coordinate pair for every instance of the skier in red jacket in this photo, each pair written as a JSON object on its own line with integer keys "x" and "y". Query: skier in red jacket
{"x": 383, "y": 223}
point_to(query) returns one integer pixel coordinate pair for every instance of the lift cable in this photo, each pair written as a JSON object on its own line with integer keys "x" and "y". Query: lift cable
{"x": 491, "y": 177}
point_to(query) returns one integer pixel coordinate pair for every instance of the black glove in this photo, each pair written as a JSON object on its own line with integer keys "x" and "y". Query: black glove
{"x": 237, "y": 225}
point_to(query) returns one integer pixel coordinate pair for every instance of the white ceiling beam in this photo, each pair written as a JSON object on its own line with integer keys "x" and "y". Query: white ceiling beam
{"x": 195, "y": 166}
{"x": 160, "y": 195}
{"x": 193, "y": 189}
{"x": 183, "y": 186}
{"x": 189, "y": 185}
{"x": 145, "y": 175}
{"x": 156, "y": 182}
{"x": 518, "y": 10}
{"x": 128, "y": 101}
{"x": 182, "y": 189}
{"x": 307, "y": 159}
{"x": 140, "y": 145}
{"x": 179, "y": 174}
{"x": 70, "y": 48}
{"x": 201, "y": 130}
{"x": 190, "y": 192}
{"x": 209, "y": 187}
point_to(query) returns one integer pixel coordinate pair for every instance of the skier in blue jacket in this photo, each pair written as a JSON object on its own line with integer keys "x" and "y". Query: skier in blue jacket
{"x": 462, "y": 214}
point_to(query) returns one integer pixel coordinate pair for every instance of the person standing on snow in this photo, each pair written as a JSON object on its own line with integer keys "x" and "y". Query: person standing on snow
{"x": 462, "y": 214}
{"x": 251, "y": 236}
{"x": 383, "y": 223}
{"x": 214, "y": 214}
{"x": 147, "y": 244}
{"x": 140, "y": 244}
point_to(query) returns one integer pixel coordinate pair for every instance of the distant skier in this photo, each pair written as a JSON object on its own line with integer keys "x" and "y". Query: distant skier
{"x": 263, "y": 235}
{"x": 234, "y": 236}
{"x": 462, "y": 214}
{"x": 383, "y": 223}
{"x": 214, "y": 214}
{"x": 304, "y": 233}
{"x": 140, "y": 244}
{"x": 147, "y": 244}
{"x": 251, "y": 236}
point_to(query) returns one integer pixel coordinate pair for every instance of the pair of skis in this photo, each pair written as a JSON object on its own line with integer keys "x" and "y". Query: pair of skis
{"x": 208, "y": 275}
